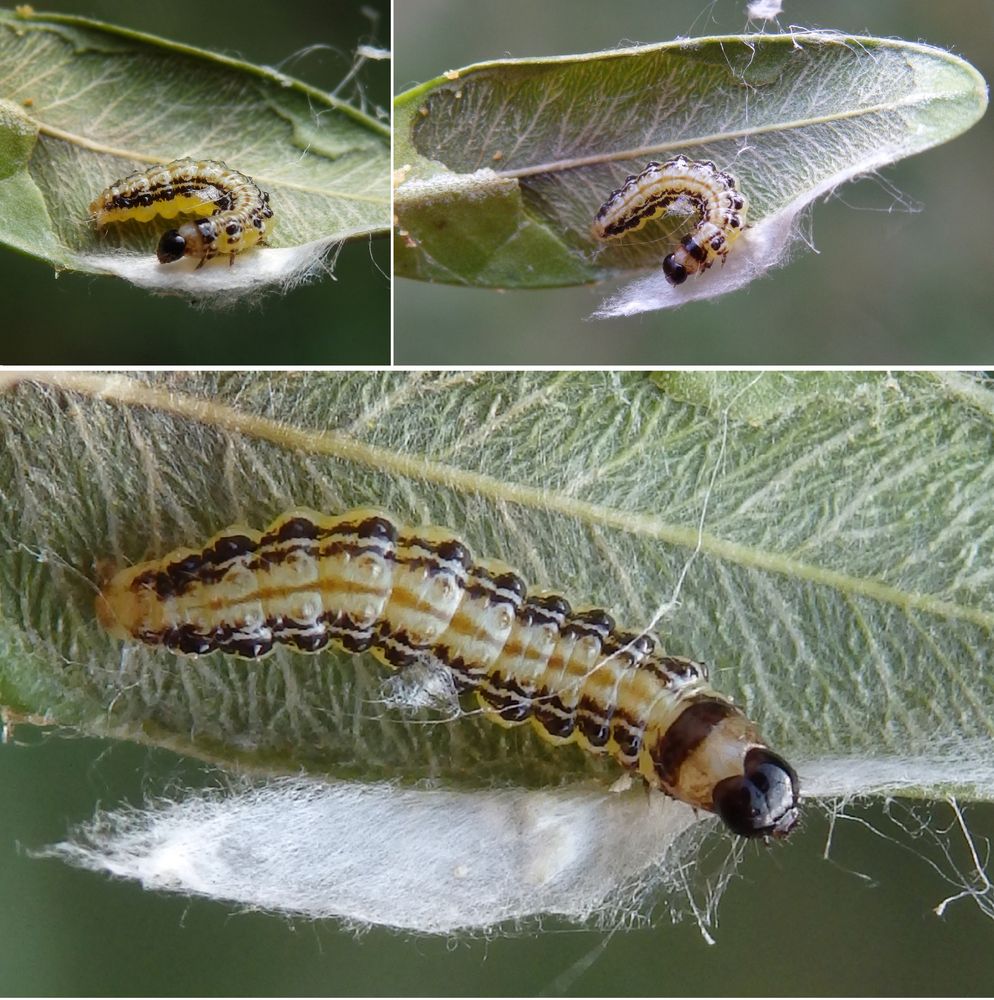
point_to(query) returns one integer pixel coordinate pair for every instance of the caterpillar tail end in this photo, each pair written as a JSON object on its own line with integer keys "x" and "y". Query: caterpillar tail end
{"x": 98, "y": 212}
{"x": 118, "y": 608}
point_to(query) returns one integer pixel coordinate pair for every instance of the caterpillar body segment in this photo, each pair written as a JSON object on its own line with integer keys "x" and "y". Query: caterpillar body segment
{"x": 362, "y": 581}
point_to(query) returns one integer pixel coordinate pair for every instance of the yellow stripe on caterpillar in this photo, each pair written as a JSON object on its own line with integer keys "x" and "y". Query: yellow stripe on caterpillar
{"x": 232, "y": 212}
{"x": 711, "y": 193}
{"x": 362, "y": 581}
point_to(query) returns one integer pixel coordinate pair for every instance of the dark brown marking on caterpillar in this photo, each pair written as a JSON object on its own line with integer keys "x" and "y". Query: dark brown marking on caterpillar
{"x": 690, "y": 729}
{"x": 362, "y": 581}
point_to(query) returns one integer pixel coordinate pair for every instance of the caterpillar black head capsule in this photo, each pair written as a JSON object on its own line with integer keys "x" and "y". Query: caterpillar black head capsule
{"x": 676, "y": 273}
{"x": 171, "y": 247}
{"x": 763, "y": 800}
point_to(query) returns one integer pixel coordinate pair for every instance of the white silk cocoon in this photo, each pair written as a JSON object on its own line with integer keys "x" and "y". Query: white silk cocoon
{"x": 424, "y": 860}
{"x": 961, "y": 766}
{"x": 439, "y": 861}
{"x": 221, "y": 283}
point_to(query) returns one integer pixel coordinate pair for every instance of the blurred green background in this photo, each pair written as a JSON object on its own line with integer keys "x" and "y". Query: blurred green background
{"x": 791, "y": 923}
{"x": 81, "y": 319}
{"x": 888, "y": 286}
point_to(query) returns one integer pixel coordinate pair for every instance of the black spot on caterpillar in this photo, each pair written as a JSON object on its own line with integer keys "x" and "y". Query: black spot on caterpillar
{"x": 697, "y": 184}
{"x": 362, "y": 581}
{"x": 232, "y": 212}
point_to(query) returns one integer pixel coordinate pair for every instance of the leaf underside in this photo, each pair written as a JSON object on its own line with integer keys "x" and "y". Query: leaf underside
{"x": 842, "y": 591}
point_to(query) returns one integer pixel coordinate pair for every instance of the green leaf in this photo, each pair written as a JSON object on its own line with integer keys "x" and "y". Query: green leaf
{"x": 841, "y": 586}
{"x": 83, "y": 104}
{"x": 504, "y": 164}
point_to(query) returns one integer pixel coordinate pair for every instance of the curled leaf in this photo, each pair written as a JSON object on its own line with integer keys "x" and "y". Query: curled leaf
{"x": 83, "y": 104}
{"x": 504, "y": 164}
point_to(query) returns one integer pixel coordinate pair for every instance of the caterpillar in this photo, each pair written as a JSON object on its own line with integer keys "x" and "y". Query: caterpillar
{"x": 232, "y": 212}
{"x": 697, "y": 184}
{"x": 362, "y": 581}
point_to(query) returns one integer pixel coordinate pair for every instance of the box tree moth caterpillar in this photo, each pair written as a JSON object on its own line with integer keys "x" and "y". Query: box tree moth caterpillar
{"x": 231, "y": 212}
{"x": 363, "y": 581}
{"x": 698, "y": 184}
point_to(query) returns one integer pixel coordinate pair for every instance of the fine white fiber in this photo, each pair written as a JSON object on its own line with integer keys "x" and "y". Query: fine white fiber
{"x": 475, "y": 186}
{"x": 764, "y": 10}
{"x": 425, "y": 860}
{"x": 965, "y": 766}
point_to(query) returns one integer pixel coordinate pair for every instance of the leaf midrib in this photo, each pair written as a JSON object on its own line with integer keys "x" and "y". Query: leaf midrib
{"x": 640, "y": 152}
{"x": 123, "y": 390}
